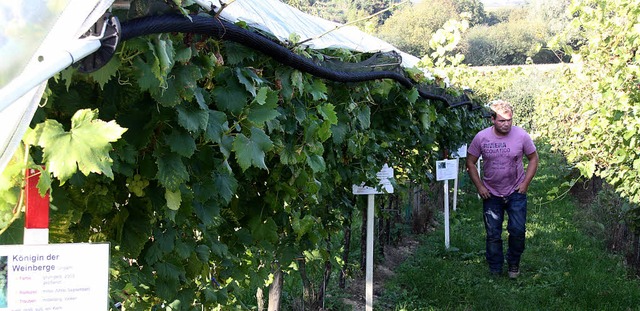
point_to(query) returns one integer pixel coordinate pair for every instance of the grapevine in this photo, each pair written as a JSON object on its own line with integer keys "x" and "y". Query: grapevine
{"x": 213, "y": 162}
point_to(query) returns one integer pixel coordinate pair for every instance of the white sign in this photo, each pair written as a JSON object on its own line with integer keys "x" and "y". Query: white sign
{"x": 461, "y": 152}
{"x": 54, "y": 277}
{"x": 383, "y": 175}
{"x": 446, "y": 169}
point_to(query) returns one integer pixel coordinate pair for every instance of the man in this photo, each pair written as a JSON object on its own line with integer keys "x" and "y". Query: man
{"x": 504, "y": 184}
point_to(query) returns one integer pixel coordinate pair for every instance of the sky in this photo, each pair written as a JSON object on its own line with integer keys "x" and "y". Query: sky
{"x": 499, "y": 3}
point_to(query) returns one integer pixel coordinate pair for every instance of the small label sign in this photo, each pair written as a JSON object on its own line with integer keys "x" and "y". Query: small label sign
{"x": 384, "y": 176}
{"x": 446, "y": 169}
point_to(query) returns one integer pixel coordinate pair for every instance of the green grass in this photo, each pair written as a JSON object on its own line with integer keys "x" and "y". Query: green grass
{"x": 561, "y": 269}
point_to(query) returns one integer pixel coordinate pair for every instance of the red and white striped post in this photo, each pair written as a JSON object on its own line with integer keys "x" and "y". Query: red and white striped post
{"x": 36, "y": 223}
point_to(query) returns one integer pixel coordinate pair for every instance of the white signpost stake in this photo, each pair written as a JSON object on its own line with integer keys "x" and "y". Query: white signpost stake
{"x": 384, "y": 175}
{"x": 461, "y": 153}
{"x": 446, "y": 214}
{"x": 446, "y": 170}
{"x": 455, "y": 189}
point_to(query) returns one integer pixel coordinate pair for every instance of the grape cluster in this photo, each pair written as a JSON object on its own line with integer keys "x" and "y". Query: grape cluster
{"x": 137, "y": 184}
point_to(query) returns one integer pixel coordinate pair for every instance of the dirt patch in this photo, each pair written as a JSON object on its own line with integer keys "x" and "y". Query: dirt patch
{"x": 393, "y": 257}
{"x": 586, "y": 191}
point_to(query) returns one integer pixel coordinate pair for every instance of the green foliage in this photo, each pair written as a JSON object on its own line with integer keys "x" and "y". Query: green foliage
{"x": 475, "y": 10}
{"x": 444, "y": 42}
{"x": 229, "y": 162}
{"x": 596, "y": 101}
{"x": 85, "y": 146}
{"x": 522, "y": 86}
{"x": 503, "y": 44}
{"x": 345, "y": 11}
{"x": 410, "y": 28}
{"x": 516, "y": 36}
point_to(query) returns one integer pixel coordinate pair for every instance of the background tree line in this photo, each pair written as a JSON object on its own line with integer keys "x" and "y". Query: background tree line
{"x": 503, "y": 36}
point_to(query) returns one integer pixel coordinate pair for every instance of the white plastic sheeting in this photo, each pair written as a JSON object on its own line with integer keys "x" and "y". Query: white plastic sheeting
{"x": 38, "y": 38}
{"x": 282, "y": 20}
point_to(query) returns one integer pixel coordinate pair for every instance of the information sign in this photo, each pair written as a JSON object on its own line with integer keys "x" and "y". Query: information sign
{"x": 383, "y": 176}
{"x": 447, "y": 169}
{"x": 54, "y": 277}
{"x": 461, "y": 152}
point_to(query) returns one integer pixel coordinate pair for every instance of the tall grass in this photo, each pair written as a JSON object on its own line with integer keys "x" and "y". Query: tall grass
{"x": 562, "y": 268}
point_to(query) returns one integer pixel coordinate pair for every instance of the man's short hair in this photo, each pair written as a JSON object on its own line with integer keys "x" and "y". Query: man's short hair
{"x": 500, "y": 106}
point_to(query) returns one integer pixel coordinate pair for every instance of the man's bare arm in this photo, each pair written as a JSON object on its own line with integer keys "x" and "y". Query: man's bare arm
{"x": 475, "y": 177}
{"x": 532, "y": 167}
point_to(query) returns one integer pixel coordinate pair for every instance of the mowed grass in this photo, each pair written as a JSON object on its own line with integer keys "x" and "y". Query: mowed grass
{"x": 562, "y": 268}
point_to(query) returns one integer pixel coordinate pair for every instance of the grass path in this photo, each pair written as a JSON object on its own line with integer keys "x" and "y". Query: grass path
{"x": 562, "y": 268}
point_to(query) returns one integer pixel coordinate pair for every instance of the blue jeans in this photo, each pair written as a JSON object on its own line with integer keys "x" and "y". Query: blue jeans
{"x": 494, "y": 207}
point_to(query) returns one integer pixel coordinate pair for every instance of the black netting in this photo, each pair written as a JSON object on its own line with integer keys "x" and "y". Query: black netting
{"x": 378, "y": 66}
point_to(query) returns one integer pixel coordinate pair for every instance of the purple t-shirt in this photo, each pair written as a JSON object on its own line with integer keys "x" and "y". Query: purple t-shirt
{"x": 503, "y": 169}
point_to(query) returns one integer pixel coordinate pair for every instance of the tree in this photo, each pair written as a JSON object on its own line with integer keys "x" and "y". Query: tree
{"x": 410, "y": 28}
{"x": 518, "y": 38}
{"x": 475, "y": 8}
{"x": 502, "y": 44}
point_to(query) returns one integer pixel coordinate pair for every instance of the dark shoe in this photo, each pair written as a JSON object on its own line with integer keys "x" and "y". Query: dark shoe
{"x": 495, "y": 274}
{"x": 514, "y": 271}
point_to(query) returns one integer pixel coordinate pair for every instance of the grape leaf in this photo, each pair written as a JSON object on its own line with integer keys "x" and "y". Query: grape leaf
{"x": 251, "y": 150}
{"x": 364, "y": 117}
{"x": 186, "y": 81}
{"x": 165, "y": 53}
{"x": 174, "y": 198}
{"x": 225, "y": 184}
{"x": 105, "y": 73}
{"x": 339, "y": 132}
{"x": 183, "y": 54}
{"x": 302, "y": 226}
{"x": 135, "y": 231}
{"x": 324, "y": 131}
{"x": 167, "y": 95}
{"x": 316, "y": 163}
{"x": 183, "y": 248}
{"x": 230, "y": 97}
{"x": 181, "y": 143}
{"x": 297, "y": 81}
{"x": 261, "y": 96}
{"x": 327, "y": 111}
{"x": 171, "y": 170}
{"x": 203, "y": 252}
{"x": 217, "y": 125}
{"x": 264, "y": 230}
{"x": 288, "y": 154}
{"x": 317, "y": 89}
{"x": 153, "y": 254}
{"x": 248, "y": 85}
{"x": 267, "y": 108}
{"x": 85, "y": 146}
{"x": 146, "y": 78}
{"x": 192, "y": 118}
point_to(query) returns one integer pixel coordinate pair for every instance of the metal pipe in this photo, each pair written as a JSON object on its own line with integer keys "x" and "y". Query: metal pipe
{"x": 47, "y": 66}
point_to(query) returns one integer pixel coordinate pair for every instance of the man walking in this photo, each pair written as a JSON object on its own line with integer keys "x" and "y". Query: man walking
{"x": 504, "y": 184}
